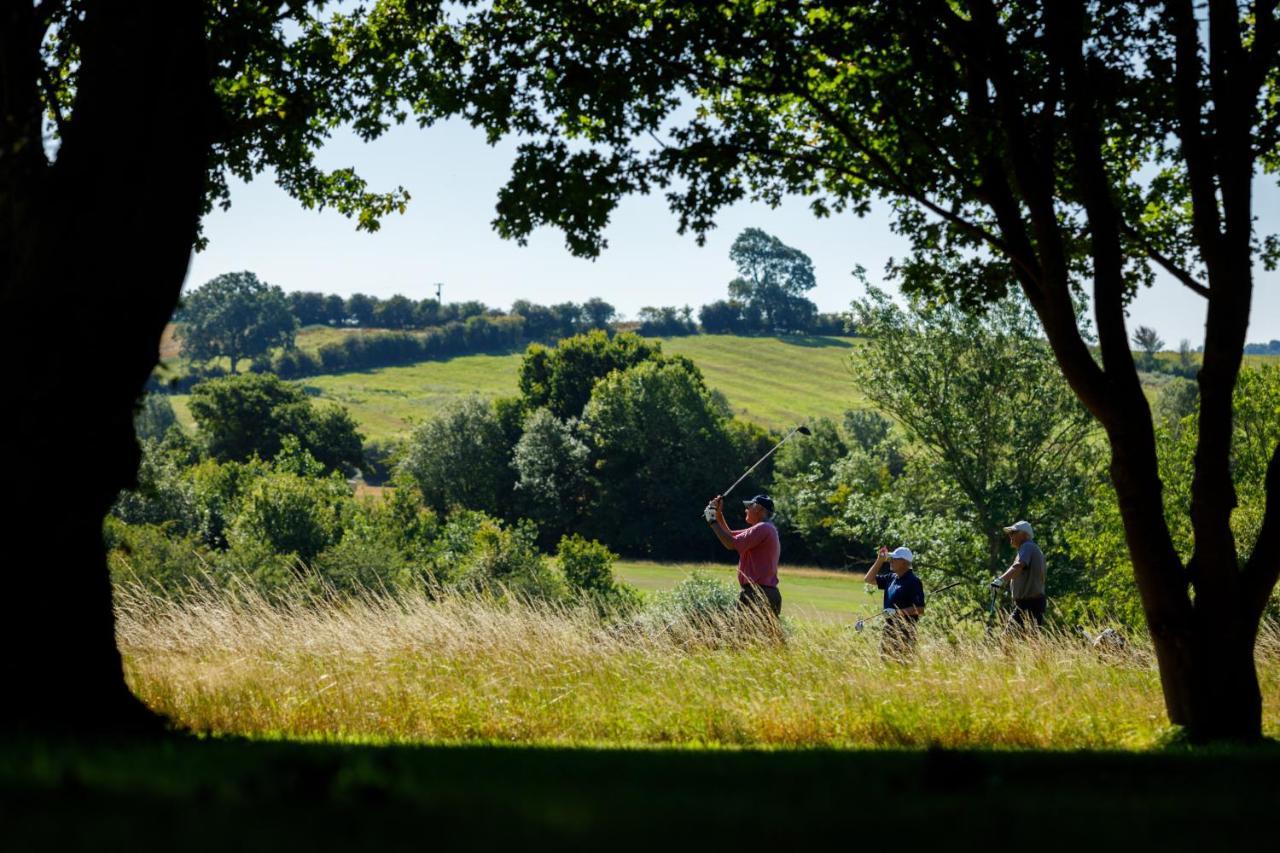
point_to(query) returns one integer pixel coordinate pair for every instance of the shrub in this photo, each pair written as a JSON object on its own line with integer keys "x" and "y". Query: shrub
{"x": 587, "y": 567}
{"x": 292, "y": 514}
{"x": 358, "y": 564}
{"x": 154, "y": 557}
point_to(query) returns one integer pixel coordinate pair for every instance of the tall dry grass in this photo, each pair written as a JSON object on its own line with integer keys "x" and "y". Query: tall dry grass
{"x": 456, "y": 669}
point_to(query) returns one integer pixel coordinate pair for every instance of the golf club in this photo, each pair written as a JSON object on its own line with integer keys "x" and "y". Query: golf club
{"x": 803, "y": 430}
{"x": 862, "y": 623}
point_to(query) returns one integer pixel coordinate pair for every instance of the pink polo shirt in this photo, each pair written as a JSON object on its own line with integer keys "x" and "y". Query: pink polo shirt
{"x": 758, "y": 549}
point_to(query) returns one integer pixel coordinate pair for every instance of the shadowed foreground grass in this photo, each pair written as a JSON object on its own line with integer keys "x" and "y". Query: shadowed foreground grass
{"x": 458, "y": 671}
{"x": 231, "y": 794}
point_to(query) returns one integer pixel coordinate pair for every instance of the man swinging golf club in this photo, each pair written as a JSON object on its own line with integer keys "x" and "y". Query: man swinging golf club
{"x": 903, "y": 602}
{"x": 758, "y": 550}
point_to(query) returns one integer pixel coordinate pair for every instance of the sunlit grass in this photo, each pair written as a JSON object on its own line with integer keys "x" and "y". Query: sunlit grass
{"x": 458, "y": 670}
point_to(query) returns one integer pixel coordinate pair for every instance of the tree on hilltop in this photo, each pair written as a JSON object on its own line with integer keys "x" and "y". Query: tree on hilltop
{"x": 1148, "y": 341}
{"x": 235, "y": 316}
{"x": 773, "y": 279}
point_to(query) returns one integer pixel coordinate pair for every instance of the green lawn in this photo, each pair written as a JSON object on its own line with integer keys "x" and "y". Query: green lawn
{"x": 775, "y": 382}
{"x": 811, "y": 594}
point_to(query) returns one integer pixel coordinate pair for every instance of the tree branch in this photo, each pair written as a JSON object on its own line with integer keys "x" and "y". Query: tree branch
{"x": 1196, "y": 149}
{"x": 1166, "y": 263}
{"x": 51, "y": 95}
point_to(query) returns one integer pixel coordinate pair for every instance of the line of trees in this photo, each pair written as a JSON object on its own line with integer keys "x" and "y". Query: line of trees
{"x": 237, "y": 317}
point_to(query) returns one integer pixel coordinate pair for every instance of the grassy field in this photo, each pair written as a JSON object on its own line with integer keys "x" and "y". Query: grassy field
{"x": 816, "y": 595}
{"x": 458, "y": 670}
{"x": 792, "y": 379}
{"x": 797, "y": 379}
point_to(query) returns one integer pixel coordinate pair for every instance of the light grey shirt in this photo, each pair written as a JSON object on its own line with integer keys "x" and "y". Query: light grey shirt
{"x": 1029, "y": 582}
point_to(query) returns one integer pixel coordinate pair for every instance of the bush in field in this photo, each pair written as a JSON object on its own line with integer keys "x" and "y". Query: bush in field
{"x": 461, "y": 458}
{"x": 165, "y": 494}
{"x": 257, "y": 566}
{"x": 699, "y": 603}
{"x": 163, "y": 561}
{"x": 300, "y": 514}
{"x": 587, "y": 567}
{"x": 239, "y": 417}
{"x": 358, "y": 564}
{"x": 501, "y": 559}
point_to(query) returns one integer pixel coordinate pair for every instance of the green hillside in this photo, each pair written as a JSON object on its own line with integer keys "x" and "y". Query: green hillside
{"x": 775, "y": 382}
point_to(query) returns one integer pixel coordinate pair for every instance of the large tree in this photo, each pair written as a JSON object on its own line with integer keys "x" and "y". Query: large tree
{"x": 1056, "y": 147}
{"x": 773, "y": 279}
{"x": 982, "y": 397}
{"x": 235, "y": 316}
{"x": 120, "y": 125}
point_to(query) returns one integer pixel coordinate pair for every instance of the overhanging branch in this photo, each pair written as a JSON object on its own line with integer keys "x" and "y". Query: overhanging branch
{"x": 1167, "y": 263}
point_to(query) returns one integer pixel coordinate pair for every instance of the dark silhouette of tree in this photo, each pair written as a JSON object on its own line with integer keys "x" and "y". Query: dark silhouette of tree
{"x": 121, "y": 125}
{"x": 1053, "y": 147}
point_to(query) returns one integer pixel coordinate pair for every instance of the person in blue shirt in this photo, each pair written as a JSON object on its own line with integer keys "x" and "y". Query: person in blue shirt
{"x": 903, "y": 602}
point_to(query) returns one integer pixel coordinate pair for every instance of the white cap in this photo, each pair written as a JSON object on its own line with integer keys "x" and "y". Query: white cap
{"x": 902, "y": 553}
{"x": 1021, "y": 527}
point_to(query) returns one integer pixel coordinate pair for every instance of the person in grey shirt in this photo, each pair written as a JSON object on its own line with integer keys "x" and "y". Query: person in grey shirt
{"x": 1026, "y": 578}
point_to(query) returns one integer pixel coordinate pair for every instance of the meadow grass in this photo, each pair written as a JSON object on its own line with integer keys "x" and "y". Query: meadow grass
{"x": 456, "y": 670}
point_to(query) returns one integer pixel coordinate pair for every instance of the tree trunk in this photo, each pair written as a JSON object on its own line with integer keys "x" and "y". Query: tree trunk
{"x": 94, "y": 249}
{"x": 1211, "y": 674}
{"x": 1204, "y": 648}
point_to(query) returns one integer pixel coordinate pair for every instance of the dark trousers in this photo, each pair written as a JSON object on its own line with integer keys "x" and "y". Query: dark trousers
{"x": 764, "y": 598}
{"x": 898, "y": 640}
{"x": 1028, "y": 613}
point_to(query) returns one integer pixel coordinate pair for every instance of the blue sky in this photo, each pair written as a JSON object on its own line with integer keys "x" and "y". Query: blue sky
{"x": 446, "y": 236}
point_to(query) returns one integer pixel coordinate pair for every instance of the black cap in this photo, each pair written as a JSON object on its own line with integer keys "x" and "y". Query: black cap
{"x": 763, "y": 500}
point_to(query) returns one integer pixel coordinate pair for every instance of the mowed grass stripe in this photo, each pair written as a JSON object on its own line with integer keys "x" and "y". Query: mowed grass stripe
{"x": 775, "y": 382}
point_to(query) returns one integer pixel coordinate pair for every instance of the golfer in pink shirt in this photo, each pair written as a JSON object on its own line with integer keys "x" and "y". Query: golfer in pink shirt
{"x": 758, "y": 550}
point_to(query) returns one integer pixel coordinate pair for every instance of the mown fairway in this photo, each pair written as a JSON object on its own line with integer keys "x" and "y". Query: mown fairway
{"x": 775, "y": 382}
{"x": 808, "y": 594}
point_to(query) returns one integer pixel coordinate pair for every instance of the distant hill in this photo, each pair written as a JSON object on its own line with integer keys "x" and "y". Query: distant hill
{"x": 775, "y": 382}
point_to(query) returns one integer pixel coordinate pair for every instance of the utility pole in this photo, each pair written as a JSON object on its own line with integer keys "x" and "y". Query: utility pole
{"x": 439, "y": 293}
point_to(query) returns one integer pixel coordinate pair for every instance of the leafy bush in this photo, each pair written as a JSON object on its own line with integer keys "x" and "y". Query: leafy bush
{"x": 501, "y": 559}
{"x": 461, "y": 458}
{"x": 698, "y": 603}
{"x": 358, "y": 564}
{"x": 292, "y": 514}
{"x": 587, "y": 567}
{"x": 156, "y": 557}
